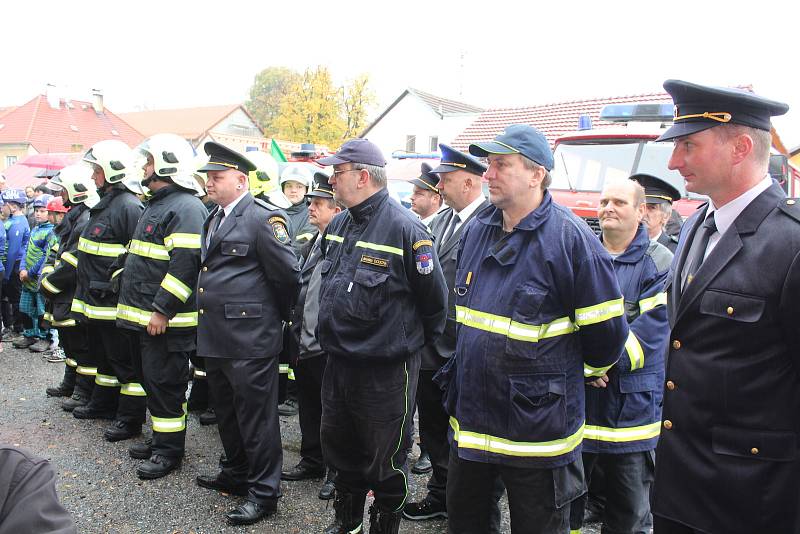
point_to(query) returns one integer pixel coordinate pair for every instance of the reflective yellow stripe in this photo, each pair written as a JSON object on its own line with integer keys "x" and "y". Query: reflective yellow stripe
{"x": 599, "y": 312}
{"x": 111, "y": 250}
{"x": 50, "y": 287}
{"x": 71, "y": 362}
{"x": 102, "y": 313}
{"x": 635, "y": 352}
{"x": 117, "y": 272}
{"x": 106, "y": 380}
{"x": 148, "y": 250}
{"x": 54, "y": 247}
{"x": 86, "y": 371}
{"x": 169, "y": 424}
{"x": 66, "y": 322}
{"x": 305, "y": 237}
{"x": 199, "y": 373}
{"x": 47, "y": 269}
{"x": 291, "y": 374}
{"x": 645, "y": 305}
{"x": 176, "y": 287}
{"x": 178, "y": 240}
{"x": 132, "y": 389}
{"x": 70, "y": 258}
{"x": 283, "y": 368}
{"x": 506, "y": 447}
{"x": 142, "y": 317}
{"x": 381, "y": 248}
{"x": 498, "y": 324}
{"x": 333, "y": 237}
{"x": 621, "y": 435}
{"x": 589, "y": 371}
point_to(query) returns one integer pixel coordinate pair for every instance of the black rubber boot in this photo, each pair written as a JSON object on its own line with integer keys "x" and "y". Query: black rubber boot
{"x": 349, "y": 514}
{"x": 382, "y": 522}
{"x": 67, "y": 385}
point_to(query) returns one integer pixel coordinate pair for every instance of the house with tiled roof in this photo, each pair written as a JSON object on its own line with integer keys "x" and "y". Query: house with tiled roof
{"x": 416, "y": 122}
{"x": 231, "y": 125}
{"x": 48, "y": 124}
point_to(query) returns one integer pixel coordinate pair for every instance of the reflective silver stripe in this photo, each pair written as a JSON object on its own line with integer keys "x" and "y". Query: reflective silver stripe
{"x": 379, "y": 247}
{"x": 180, "y": 290}
{"x": 132, "y": 389}
{"x": 86, "y": 371}
{"x": 645, "y": 305}
{"x": 168, "y": 424}
{"x": 498, "y": 324}
{"x": 507, "y": 447}
{"x": 181, "y": 240}
{"x": 148, "y": 250}
{"x": 590, "y": 371}
{"x": 50, "y": 287}
{"x": 106, "y": 380}
{"x": 333, "y": 237}
{"x": 94, "y": 312}
{"x": 599, "y": 312}
{"x": 199, "y": 373}
{"x": 142, "y": 317}
{"x": 111, "y": 250}
{"x": 634, "y": 350}
{"x": 71, "y": 362}
{"x": 621, "y": 435}
{"x": 69, "y": 258}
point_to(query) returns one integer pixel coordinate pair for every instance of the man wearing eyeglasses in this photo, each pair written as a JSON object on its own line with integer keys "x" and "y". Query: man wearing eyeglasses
{"x": 382, "y": 298}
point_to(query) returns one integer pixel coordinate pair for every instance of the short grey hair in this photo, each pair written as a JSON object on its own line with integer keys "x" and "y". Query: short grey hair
{"x": 665, "y": 208}
{"x": 532, "y": 166}
{"x": 378, "y": 174}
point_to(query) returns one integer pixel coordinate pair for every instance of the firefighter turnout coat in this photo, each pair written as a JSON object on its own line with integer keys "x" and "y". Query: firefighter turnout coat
{"x": 110, "y": 227}
{"x": 625, "y": 416}
{"x": 538, "y": 309}
{"x": 162, "y": 262}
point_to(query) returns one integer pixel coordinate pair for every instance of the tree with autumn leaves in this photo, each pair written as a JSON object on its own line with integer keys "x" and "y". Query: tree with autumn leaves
{"x": 309, "y": 107}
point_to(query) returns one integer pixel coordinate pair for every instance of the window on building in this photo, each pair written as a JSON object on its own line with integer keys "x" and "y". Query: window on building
{"x": 411, "y": 143}
{"x": 434, "y": 145}
{"x": 10, "y": 160}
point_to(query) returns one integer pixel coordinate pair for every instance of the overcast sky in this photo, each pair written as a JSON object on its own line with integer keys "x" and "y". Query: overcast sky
{"x": 173, "y": 53}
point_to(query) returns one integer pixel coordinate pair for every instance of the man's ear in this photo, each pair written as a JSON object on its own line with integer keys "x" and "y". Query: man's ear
{"x": 742, "y": 147}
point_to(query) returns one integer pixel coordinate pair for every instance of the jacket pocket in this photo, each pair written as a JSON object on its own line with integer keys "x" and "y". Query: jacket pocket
{"x": 445, "y": 380}
{"x": 765, "y": 445}
{"x": 734, "y": 306}
{"x": 525, "y": 328}
{"x": 366, "y": 295}
{"x": 147, "y": 288}
{"x": 537, "y": 407}
{"x": 242, "y": 311}
{"x": 325, "y": 267}
{"x": 99, "y": 289}
{"x": 638, "y": 404}
{"x": 229, "y": 248}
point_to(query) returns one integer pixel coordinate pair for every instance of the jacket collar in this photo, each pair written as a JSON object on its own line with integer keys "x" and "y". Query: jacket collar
{"x": 637, "y": 247}
{"x": 367, "y": 208}
{"x": 494, "y": 217}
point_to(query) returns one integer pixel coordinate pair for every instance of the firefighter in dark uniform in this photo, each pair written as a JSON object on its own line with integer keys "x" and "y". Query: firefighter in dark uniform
{"x": 247, "y": 285}
{"x": 728, "y": 459}
{"x": 383, "y": 297}
{"x": 156, "y": 297}
{"x": 659, "y": 195}
{"x": 58, "y": 280}
{"x": 118, "y": 392}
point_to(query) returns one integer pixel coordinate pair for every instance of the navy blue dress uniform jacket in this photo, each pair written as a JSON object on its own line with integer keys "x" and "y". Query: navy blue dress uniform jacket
{"x": 444, "y": 346}
{"x": 626, "y": 416}
{"x": 538, "y": 309}
{"x": 162, "y": 263}
{"x": 729, "y": 451}
{"x": 383, "y": 295}
{"x": 247, "y": 283}
{"x": 110, "y": 228}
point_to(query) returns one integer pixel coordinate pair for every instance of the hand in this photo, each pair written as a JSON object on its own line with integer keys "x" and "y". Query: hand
{"x": 158, "y": 324}
{"x": 23, "y": 276}
{"x": 601, "y": 382}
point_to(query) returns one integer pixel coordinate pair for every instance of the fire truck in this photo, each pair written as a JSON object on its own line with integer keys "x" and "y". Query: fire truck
{"x": 586, "y": 158}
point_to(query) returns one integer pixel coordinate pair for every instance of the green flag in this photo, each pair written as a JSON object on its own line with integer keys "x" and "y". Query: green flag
{"x": 276, "y": 151}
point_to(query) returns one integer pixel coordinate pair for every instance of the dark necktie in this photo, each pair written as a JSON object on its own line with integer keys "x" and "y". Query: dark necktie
{"x": 214, "y": 226}
{"x": 699, "y": 244}
{"x": 450, "y": 230}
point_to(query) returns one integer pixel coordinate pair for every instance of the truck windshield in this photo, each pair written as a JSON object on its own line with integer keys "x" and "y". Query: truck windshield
{"x": 586, "y": 167}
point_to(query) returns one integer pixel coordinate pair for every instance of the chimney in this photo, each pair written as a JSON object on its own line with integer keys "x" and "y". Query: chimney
{"x": 97, "y": 100}
{"x": 51, "y": 94}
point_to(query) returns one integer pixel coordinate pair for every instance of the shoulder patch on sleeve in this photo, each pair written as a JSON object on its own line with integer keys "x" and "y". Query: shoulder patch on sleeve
{"x": 279, "y": 229}
{"x": 791, "y": 207}
{"x": 277, "y": 219}
{"x": 422, "y": 243}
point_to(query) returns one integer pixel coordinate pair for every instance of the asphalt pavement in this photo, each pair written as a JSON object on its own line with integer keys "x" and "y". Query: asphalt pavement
{"x": 97, "y": 482}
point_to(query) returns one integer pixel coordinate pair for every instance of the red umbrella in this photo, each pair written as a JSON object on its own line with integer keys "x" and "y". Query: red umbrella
{"x": 50, "y": 161}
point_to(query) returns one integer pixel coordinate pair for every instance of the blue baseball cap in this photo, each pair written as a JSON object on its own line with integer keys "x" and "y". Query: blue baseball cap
{"x": 356, "y": 151}
{"x": 15, "y": 195}
{"x": 698, "y": 108}
{"x": 518, "y": 139}
{"x": 42, "y": 201}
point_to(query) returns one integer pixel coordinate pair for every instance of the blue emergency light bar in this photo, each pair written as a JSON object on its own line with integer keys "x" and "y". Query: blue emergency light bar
{"x": 646, "y": 112}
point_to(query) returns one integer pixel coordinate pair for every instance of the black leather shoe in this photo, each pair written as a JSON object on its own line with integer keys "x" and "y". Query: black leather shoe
{"x": 88, "y": 412}
{"x": 24, "y": 343}
{"x": 61, "y": 390}
{"x": 423, "y": 464}
{"x": 249, "y": 513}
{"x": 302, "y": 472}
{"x": 327, "y": 491}
{"x": 120, "y": 430}
{"x": 208, "y": 417}
{"x": 157, "y": 466}
{"x": 141, "y": 451}
{"x": 427, "y": 508}
{"x": 221, "y": 483}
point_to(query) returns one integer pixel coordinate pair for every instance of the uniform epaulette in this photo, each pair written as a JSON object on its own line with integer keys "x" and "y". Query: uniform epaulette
{"x": 265, "y": 204}
{"x": 791, "y": 207}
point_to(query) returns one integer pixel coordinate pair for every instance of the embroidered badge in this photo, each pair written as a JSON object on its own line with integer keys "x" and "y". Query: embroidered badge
{"x": 422, "y": 243}
{"x": 279, "y": 229}
{"x": 424, "y": 262}
{"x": 148, "y": 229}
{"x": 372, "y": 260}
{"x": 96, "y": 230}
{"x": 273, "y": 220}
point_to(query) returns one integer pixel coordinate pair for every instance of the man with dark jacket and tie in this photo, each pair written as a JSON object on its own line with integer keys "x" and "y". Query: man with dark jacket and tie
{"x": 728, "y": 459}
{"x": 460, "y": 185}
{"x": 247, "y": 285}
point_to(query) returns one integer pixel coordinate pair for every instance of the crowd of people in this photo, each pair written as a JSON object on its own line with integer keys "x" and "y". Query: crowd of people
{"x": 545, "y": 363}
